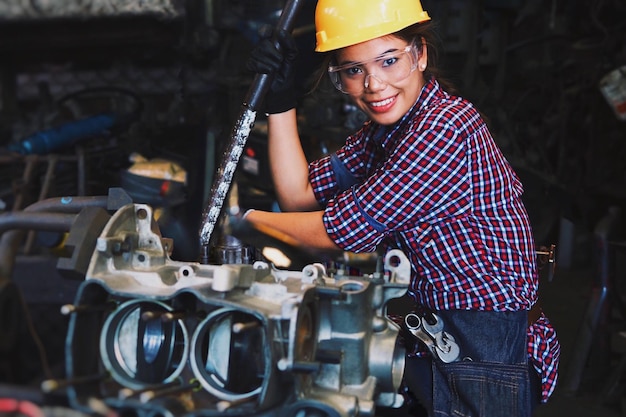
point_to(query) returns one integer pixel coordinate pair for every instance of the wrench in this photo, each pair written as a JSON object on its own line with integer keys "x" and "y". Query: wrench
{"x": 440, "y": 343}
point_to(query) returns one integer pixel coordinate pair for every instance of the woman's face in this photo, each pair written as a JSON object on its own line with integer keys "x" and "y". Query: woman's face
{"x": 384, "y": 97}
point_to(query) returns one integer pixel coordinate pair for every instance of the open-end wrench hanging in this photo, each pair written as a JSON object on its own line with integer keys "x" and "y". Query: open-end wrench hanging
{"x": 239, "y": 136}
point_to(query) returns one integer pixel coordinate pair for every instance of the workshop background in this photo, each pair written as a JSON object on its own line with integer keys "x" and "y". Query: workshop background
{"x": 95, "y": 94}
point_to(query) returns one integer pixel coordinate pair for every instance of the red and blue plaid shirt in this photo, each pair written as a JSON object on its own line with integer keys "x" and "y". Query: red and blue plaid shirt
{"x": 436, "y": 185}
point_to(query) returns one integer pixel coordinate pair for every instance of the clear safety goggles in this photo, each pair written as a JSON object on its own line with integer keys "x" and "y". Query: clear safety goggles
{"x": 388, "y": 68}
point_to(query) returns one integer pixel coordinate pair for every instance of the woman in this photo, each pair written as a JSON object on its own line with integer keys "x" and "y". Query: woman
{"x": 422, "y": 174}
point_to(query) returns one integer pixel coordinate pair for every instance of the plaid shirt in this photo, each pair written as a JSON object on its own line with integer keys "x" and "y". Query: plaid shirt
{"x": 436, "y": 185}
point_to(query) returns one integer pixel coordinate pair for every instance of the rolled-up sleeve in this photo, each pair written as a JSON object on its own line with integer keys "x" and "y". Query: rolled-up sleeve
{"x": 322, "y": 179}
{"x": 349, "y": 226}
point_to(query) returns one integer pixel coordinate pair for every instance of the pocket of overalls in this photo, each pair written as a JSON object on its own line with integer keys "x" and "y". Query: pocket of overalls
{"x": 481, "y": 389}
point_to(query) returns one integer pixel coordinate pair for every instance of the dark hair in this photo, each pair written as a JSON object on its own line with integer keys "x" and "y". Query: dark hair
{"x": 426, "y": 34}
{"x": 418, "y": 33}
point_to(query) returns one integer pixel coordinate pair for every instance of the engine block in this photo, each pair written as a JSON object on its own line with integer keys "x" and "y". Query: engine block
{"x": 151, "y": 336}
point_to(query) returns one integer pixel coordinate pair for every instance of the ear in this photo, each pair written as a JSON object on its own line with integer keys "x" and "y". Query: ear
{"x": 422, "y": 56}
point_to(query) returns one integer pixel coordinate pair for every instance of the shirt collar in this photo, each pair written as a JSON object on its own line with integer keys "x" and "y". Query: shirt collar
{"x": 430, "y": 90}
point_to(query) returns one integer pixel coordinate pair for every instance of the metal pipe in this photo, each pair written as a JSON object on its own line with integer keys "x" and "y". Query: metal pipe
{"x": 68, "y": 204}
{"x": 43, "y": 193}
{"x": 55, "y": 209}
{"x": 51, "y": 385}
{"x": 52, "y": 222}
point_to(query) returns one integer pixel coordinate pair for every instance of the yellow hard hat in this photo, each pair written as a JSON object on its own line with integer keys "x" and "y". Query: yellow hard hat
{"x": 341, "y": 23}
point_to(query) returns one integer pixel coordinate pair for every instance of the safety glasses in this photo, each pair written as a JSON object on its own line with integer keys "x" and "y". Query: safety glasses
{"x": 388, "y": 68}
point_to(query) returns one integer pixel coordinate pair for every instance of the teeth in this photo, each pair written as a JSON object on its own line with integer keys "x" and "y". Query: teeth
{"x": 381, "y": 103}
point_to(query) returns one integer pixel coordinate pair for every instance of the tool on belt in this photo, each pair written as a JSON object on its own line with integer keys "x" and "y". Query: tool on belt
{"x": 430, "y": 331}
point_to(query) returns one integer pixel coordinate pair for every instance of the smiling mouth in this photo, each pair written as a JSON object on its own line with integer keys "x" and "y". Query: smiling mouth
{"x": 382, "y": 103}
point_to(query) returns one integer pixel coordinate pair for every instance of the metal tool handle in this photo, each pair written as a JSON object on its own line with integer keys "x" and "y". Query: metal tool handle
{"x": 239, "y": 136}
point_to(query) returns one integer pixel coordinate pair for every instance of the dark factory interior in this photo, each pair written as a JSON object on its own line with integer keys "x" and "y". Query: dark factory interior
{"x": 116, "y": 118}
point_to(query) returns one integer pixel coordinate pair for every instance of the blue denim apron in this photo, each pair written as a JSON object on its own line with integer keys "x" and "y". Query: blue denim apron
{"x": 492, "y": 377}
